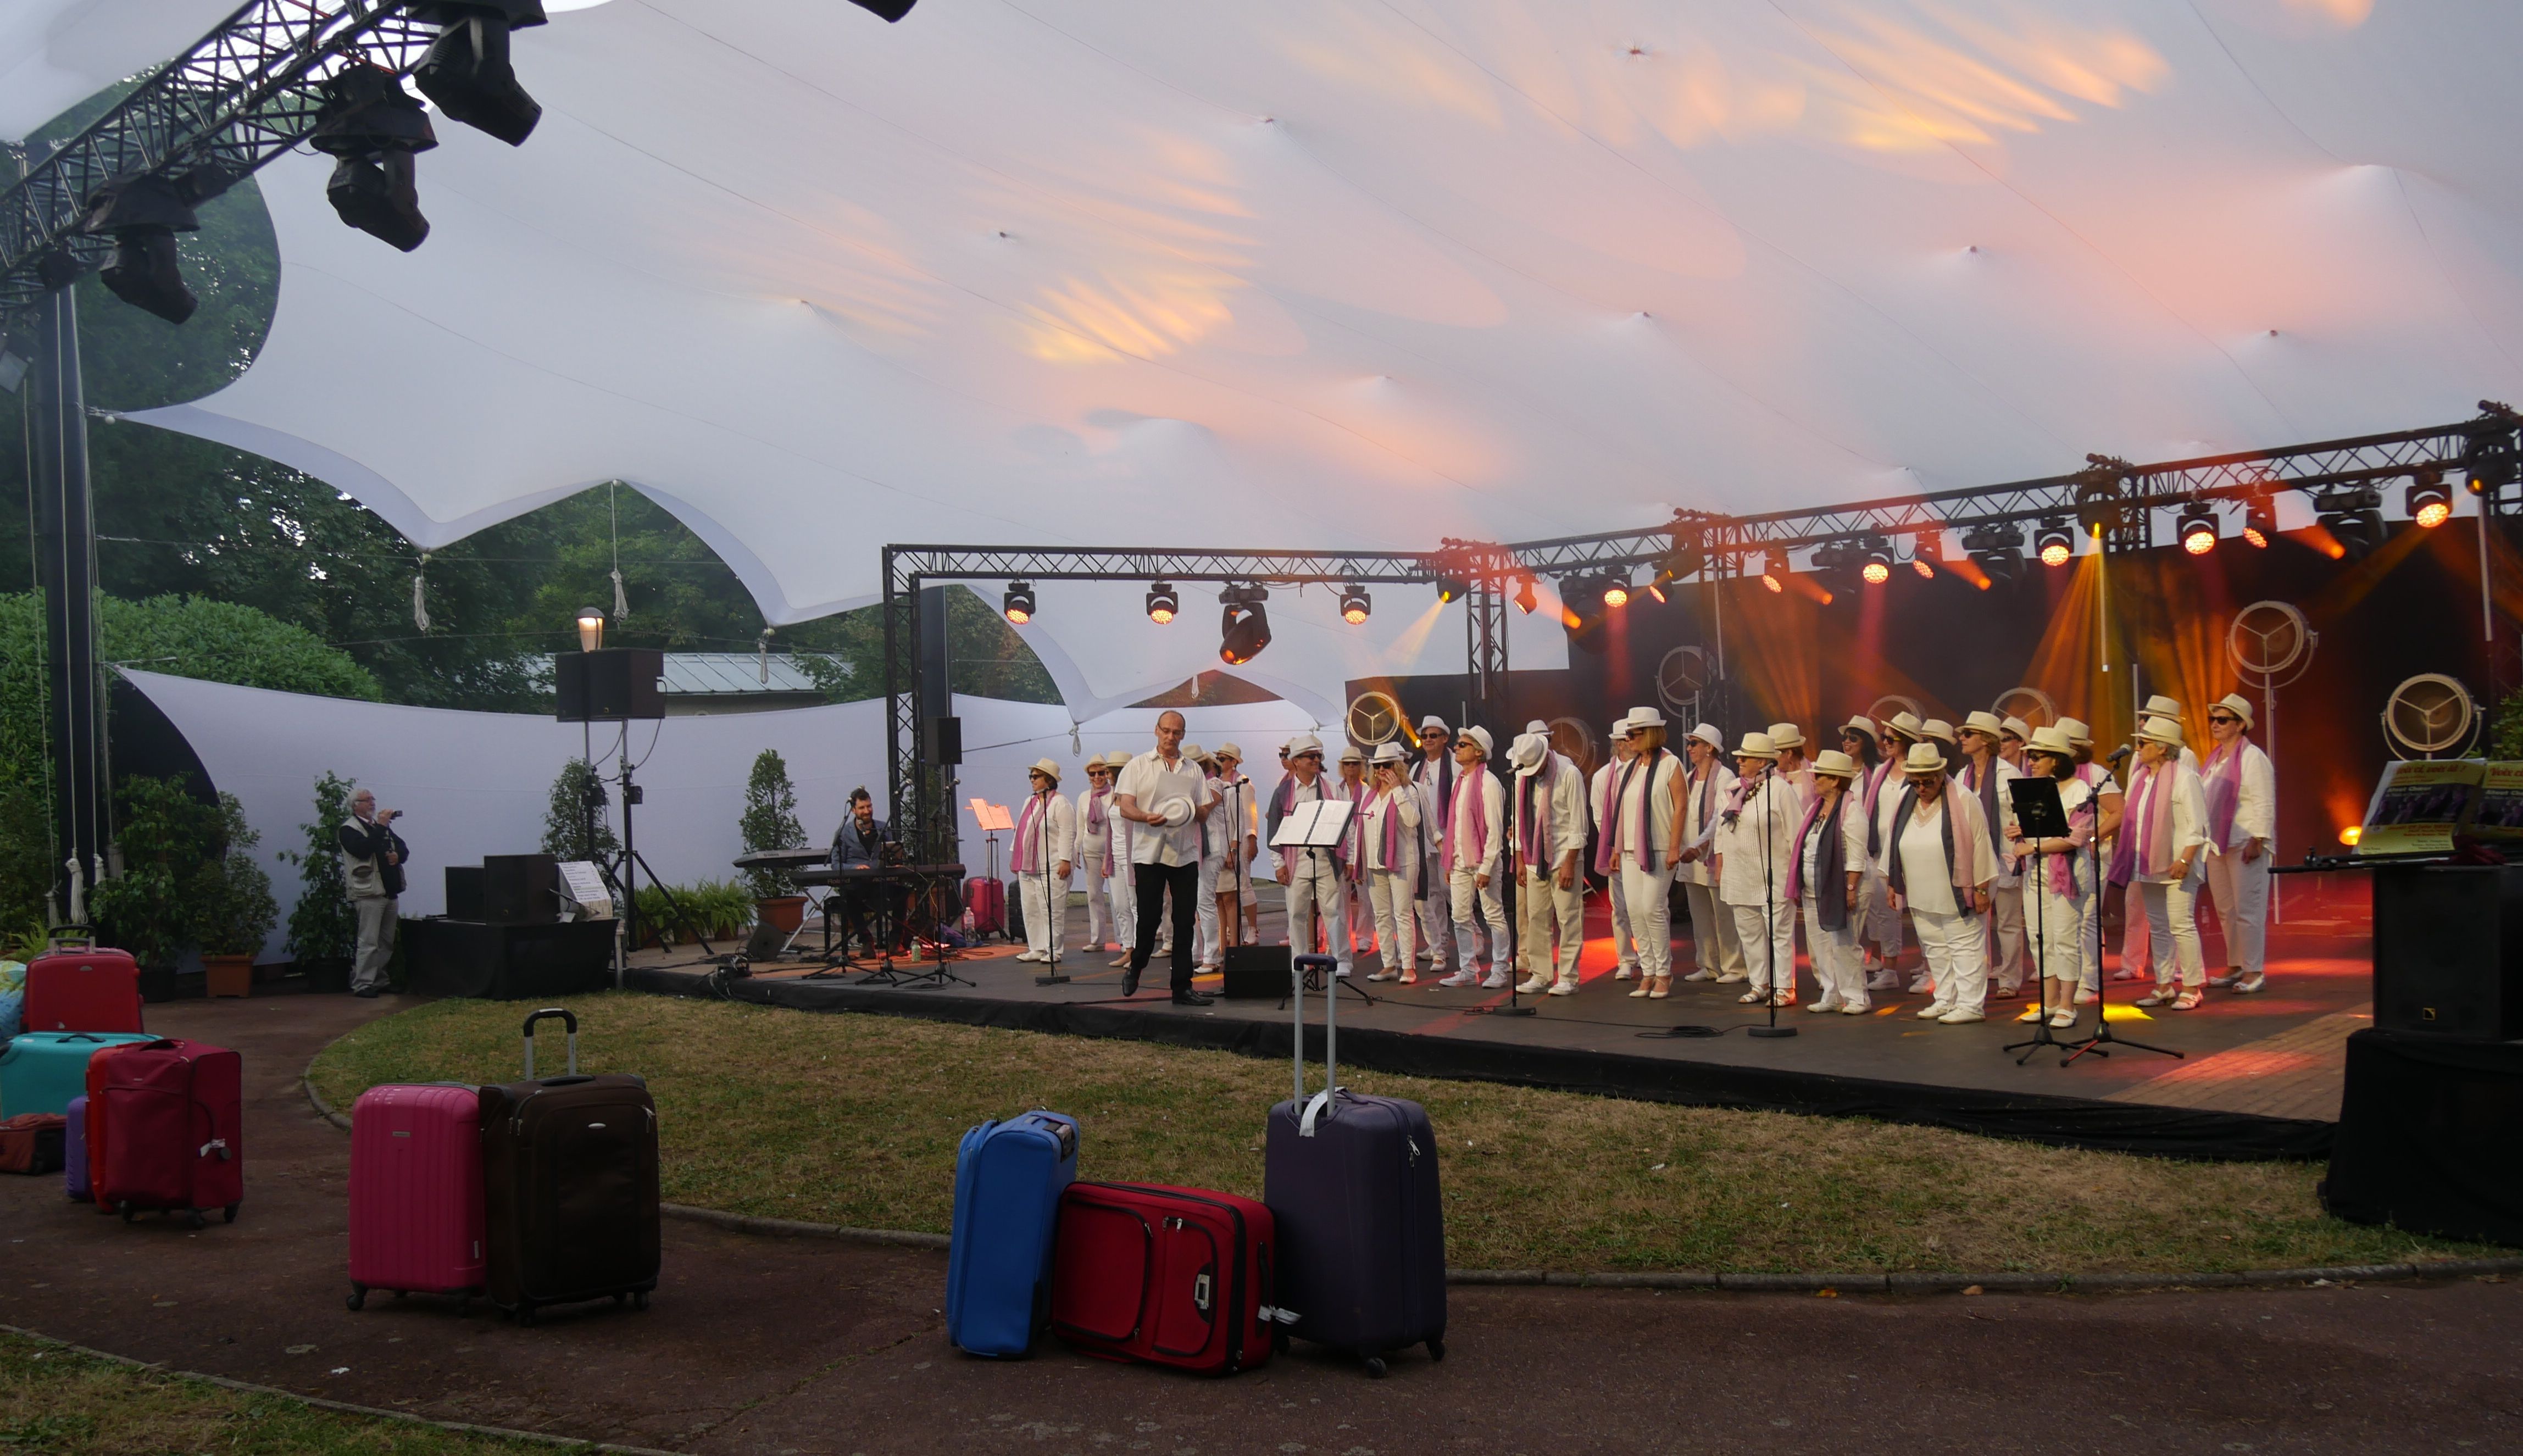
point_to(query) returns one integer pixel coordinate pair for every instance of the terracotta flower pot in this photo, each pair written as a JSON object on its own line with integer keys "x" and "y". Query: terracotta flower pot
{"x": 782, "y": 913}
{"x": 227, "y": 976}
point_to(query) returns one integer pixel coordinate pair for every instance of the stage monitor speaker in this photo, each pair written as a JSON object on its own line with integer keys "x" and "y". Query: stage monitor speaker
{"x": 762, "y": 944}
{"x": 520, "y": 889}
{"x": 617, "y": 684}
{"x": 508, "y": 963}
{"x": 941, "y": 740}
{"x": 1258, "y": 973}
{"x": 464, "y": 892}
{"x": 2448, "y": 950}
{"x": 2426, "y": 1143}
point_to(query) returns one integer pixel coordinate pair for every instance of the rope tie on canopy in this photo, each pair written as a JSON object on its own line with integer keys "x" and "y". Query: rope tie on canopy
{"x": 419, "y": 589}
{"x": 613, "y": 527}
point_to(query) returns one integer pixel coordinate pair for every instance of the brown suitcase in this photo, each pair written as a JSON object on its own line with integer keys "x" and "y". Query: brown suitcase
{"x": 31, "y": 1143}
{"x": 569, "y": 1177}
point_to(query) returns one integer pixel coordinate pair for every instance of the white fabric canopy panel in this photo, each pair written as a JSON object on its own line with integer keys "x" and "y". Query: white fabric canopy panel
{"x": 1337, "y": 274}
{"x": 477, "y": 783}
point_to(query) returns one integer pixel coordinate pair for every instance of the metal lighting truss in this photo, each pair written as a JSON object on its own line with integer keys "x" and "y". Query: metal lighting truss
{"x": 243, "y": 94}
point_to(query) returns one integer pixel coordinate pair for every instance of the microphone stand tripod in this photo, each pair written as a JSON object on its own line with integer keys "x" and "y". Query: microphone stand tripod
{"x": 2033, "y": 815}
{"x": 1770, "y": 918}
{"x": 2102, "y": 1039}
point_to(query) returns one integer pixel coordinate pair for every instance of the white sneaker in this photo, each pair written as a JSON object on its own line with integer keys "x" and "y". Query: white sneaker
{"x": 2125, "y": 975}
{"x": 1495, "y": 980}
{"x": 1624, "y": 973}
{"x": 2085, "y": 997}
{"x": 1884, "y": 980}
{"x": 1036, "y": 957}
{"x": 1959, "y": 1017}
{"x": 1731, "y": 977}
{"x": 1381, "y": 975}
{"x": 1856, "y": 1008}
{"x": 1533, "y": 985}
{"x": 1825, "y": 1002}
{"x": 1935, "y": 1012}
{"x": 1919, "y": 985}
{"x": 1563, "y": 988}
{"x": 1461, "y": 978}
{"x": 1703, "y": 973}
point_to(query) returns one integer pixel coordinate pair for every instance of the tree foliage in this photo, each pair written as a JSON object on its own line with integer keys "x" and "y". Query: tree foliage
{"x": 770, "y": 820}
{"x": 576, "y": 823}
{"x": 322, "y": 925}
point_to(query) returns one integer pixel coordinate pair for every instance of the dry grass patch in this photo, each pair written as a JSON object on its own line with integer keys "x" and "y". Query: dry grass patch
{"x": 65, "y": 1403}
{"x": 853, "y": 1119}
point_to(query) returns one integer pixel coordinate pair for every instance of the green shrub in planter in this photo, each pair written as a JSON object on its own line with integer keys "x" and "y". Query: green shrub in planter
{"x": 322, "y": 927}
{"x": 233, "y": 911}
{"x": 770, "y": 821}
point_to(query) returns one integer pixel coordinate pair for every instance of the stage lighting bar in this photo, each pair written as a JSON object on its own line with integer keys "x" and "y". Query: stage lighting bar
{"x": 1996, "y": 549}
{"x": 1017, "y": 603}
{"x": 1616, "y": 593}
{"x": 1164, "y": 603}
{"x": 1354, "y": 604}
{"x": 2197, "y": 530}
{"x": 2354, "y": 517}
{"x": 2260, "y": 522}
{"x": 1244, "y": 624}
{"x": 2429, "y": 501}
{"x": 2054, "y": 542}
{"x": 1454, "y": 589}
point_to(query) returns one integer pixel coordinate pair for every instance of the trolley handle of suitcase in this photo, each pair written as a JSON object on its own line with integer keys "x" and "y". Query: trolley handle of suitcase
{"x": 1330, "y": 967}
{"x": 569, "y": 1024}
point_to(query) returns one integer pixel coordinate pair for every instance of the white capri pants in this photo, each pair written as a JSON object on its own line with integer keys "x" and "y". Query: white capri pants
{"x": 1715, "y": 948}
{"x": 1044, "y": 906}
{"x": 1837, "y": 964}
{"x": 2173, "y": 919}
{"x": 2058, "y": 928}
{"x": 1957, "y": 955}
{"x": 2006, "y": 934}
{"x": 2241, "y": 894}
{"x": 1651, "y": 914}
{"x": 1099, "y": 904}
{"x": 1769, "y": 945}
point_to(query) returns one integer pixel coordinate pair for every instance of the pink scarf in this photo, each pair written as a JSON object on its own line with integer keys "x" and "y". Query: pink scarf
{"x": 1475, "y": 780}
{"x": 1533, "y": 815}
{"x": 2148, "y": 851}
{"x": 1095, "y": 810}
{"x": 1391, "y": 802}
{"x": 2063, "y": 868}
{"x": 1351, "y": 857}
{"x": 1607, "y": 813}
{"x": 1029, "y": 832}
{"x": 1797, "y": 861}
{"x": 2224, "y": 779}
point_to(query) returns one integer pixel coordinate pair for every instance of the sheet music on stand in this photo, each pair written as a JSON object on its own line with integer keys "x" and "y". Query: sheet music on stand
{"x": 1315, "y": 825}
{"x": 991, "y": 817}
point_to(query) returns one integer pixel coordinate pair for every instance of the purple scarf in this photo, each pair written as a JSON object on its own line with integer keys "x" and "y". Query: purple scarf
{"x": 1533, "y": 815}
{"x": 2146, "y": 849}
{"x": 1028, "y": 834}
{"x": 2223, "y": 781}
{"x": 1095, "y": 810}
{"x": 1607, "y": 839}
{"x": 1477, "y": 781}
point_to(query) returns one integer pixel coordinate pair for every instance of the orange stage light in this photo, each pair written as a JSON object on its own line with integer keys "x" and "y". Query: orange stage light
{"x": 1877, "y": 572}
{"x": 1616, "y": 595}
{"x": 2434, "y": 513}
{"x": 1772, "y": 583}
{"x": 2350, "y": 835}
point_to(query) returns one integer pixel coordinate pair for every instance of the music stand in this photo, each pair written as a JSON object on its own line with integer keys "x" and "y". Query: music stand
{"x": 1315, "y": 828}
{"x": 2038, "y": 814}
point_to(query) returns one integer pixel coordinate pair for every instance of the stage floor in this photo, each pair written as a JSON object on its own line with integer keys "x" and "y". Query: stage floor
{"x": 2276, "y": 1054}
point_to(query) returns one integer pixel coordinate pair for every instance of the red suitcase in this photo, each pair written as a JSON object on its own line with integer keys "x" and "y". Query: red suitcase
{"x": 417, "y": 1209}
{"x": 77, "y": 985}
{"x": 1171, "y": 1276}
{"x": 165, "y": 1129}
{"x": 987, "y": 900}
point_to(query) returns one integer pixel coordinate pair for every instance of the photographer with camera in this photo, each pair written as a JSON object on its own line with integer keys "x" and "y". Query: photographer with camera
{"x": 372, "y": 861}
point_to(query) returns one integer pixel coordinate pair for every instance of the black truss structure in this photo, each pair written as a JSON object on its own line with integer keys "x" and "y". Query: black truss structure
{"x": 243, "y": 94}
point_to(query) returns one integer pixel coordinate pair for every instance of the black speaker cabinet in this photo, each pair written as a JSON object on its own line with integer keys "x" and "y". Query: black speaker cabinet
{"x": 464, "y": 892}
{"x": 1258, "y": 973}
{"x": 2448, "y": 950}
{"x": 614, "y": 685}
{"x": 941, "y": 740}
{"x": 508, "y": 963}
{"x": 520, "y": 890}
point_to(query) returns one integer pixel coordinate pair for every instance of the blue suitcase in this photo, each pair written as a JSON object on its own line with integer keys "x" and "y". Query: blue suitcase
{"x": 40, "y": 1072}
{"x": 1008, "y": 1180}
{"x": 74, "y": 1151}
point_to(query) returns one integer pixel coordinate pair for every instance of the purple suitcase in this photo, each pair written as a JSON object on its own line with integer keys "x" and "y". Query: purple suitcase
{"x": 74, "y": 1150}
{"x": 1351, "y": 1181}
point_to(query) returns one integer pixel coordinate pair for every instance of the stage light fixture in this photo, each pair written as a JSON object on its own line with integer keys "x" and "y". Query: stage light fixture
{"x": 1354, "y": 604}
{"x": 1162, "y": 604}
{"x": 1774, "y": 572}
{"x": 1997, "y": 549}
{"x": 1016, "y": 604}
{"x": 590, "y": 628}
{"x": 1526, "y": 597}
{"x": 1616, "y": 593}
{"x": 2197, "y": 529}
{"x": 2260, "y": 522}
{"x": 467, "y": 69}
{"x": 1450, "y": 588}
{"x": 2054, "y": 542}
{"x": 2354, "y": 516}
{"x": 1873, "y": 562}
{"x": 372, "y": 127}
{"x": 142, "y": 215}
{"x": 2430, "y": 503}
{"x": 1243, "y": 626}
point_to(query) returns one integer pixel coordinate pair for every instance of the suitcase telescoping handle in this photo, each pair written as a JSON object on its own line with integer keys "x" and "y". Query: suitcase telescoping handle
{"x": 569, "y": 1023}
{"x": 1296, "y": 968}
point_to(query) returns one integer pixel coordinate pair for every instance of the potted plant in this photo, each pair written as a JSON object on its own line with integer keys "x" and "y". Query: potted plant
{"x": 323, "y": 929}
{"x": 167, "y": 838}
{"x": 770, "y": 821}
{"x": 233, "y": 911}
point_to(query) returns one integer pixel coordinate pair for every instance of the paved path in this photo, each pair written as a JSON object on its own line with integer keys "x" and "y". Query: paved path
{"x": 768, "y": 1345}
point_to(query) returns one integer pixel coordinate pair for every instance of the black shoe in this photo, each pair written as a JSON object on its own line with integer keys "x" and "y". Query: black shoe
{"x": 1130, "y": 981}
{"x": 1192, "y": 998}
{"x": 365, "y": 992}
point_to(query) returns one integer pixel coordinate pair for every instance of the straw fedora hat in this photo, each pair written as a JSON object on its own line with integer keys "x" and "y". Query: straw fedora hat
{"x": 1861, "y": 724}
{"x": 2079, "y": 731}
{"x": 1984, "y": 721}
{"x": 1787, "y": 735}
{"x": 1047, "y": 769}
{"x": 1757, "y": 745}
{"x": 2238, "y": 705}
{"x": 1834, "y": 763}
{"x": 1938, "y": 729}
{"x": 2162, "y": 730}
{"x": 1923, "y": 759}
{"x": 1907, "y": 725}
{"x": 2052, "y": 741}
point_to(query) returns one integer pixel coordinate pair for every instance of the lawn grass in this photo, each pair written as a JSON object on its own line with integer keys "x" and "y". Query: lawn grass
{"x": 853, "y": 1119}
{"x": 58, "y": 1401}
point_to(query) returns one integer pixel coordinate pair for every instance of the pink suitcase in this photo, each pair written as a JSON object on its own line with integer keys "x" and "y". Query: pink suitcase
{"x": 417, "y": 1209}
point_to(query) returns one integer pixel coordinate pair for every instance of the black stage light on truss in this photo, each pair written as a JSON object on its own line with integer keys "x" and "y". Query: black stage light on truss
{"x": 142, "y": 214}
{"x": 467, "y": 69}
{"x": 1244, "y": 624}
{"x": 372, "y": 128}
{"x": 1164, "y": 603}
{"x": 1526, "y": 597}
{"x": 2354, "y": 517}
{"x": 1452, "y": 588}
{"x": 1354, "y": 604}
{"x": 1017, "y": 603}
{"x": 892, "y": 10}
{"x": 1774, "y": 570}
{"x": 2054, "y": 542}
{"x": 1873, "y": 561}
{"x": 2430, "y": 502}
{"x": 2197, "y": 528}
{"x": 1997, "y": 549}
{"x": 1615, "y": 591}
{"x": 2260, "y": 522}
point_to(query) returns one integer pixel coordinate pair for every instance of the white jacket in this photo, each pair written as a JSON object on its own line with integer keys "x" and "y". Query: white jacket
{"x": 1743, "y": 879}
{"x": 1059, "y": 829}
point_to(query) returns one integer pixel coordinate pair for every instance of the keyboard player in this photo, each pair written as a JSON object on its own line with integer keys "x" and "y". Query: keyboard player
{"x": 861, "y": 844}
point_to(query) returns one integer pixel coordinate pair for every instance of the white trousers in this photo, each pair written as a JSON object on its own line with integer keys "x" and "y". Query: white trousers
{"x": 1837, "y": 964}
{"x": 2057, "y": 923}
{"x": 2006, "y": 934}
{"x": 1883, "y": 928}
{"x": 1625, "y": 946}
{"x": 1317, "y": 892}
{"x": 2172, "y": 921}
{"x": 1212, "y": 946}
{"x": 1122, "y": 892}
{"x": 1388, "y": 896}
{"x": 1651, "y": 914}
{"x": 1769, "y": 945}
{"x": 1468, "y": 902}
{"x": 2089, "y": 940}
{"x": 1436, "y": 912}
{"x": 1099, "y": 903}
{"x": 1544, "y": 908}
{"x": 1714, "y": 946}
{"x": 1043, "y": 904}
{"x": 1957, "y": 955}
{"x": 2241, "y": 894}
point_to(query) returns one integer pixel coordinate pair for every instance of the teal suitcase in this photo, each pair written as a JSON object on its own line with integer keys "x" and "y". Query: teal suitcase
{"x": 40, "y": 1072}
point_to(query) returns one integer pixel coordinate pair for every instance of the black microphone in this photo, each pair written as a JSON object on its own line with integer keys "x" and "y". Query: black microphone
{"x": 2118, "y": 754}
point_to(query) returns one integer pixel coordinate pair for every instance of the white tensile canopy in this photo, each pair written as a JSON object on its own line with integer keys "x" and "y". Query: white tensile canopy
{"x": 1139, "y": 272}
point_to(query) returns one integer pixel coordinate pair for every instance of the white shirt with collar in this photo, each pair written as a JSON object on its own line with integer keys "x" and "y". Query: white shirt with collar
{"x": 1153, "y": 782}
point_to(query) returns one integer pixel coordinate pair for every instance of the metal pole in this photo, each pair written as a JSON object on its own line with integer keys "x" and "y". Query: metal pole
{"x": 2487, "y": 614}
{"x": 66, "y": 561}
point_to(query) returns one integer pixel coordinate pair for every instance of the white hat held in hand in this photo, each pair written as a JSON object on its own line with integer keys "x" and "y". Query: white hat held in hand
{"x": 1527, "y": 752}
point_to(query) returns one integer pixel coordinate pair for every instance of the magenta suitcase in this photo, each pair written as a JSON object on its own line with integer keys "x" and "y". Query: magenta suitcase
{"x": 417, "y": 1209}
{"x": 78, "y": 985}
{"x": 987, "y": 900}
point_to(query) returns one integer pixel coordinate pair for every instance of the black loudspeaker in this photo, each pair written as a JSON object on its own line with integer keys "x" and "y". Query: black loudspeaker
{"x": 1258, "y": 973}
{"x": 615, "y": 685}
{"x": 464, "y": 892}
{"x": 762, "y": 944}
{"x": 2448, "y": 950}
{"x": 2426, "y": 1137}
{"x": 518, "y": 890}
{"x": 941, "y": 740}
{"x": 508, "y": 963}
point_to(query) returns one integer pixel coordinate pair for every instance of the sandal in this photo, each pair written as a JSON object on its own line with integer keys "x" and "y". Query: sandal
{"x": 2251, "y": 984}
{"x": 1663, "y": 988}
{"x": 2187, "y": 1001}
{"x": 1647, "y": 987}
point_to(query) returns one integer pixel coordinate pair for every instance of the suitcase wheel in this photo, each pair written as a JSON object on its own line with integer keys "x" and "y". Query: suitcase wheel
{"x": 1375, "y": 1367}
{"x": 639, "y": 1301}
{"x": 228, "y": 1214}
{"x": 193, "y": 1217}
{"x": 525, "y": 1316}
{"x": 1436, "y": 1349}
{"x": 1278, "y": 1341}
{"x": 125, "y": 1209}
{"x": 359, "y": 1296}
